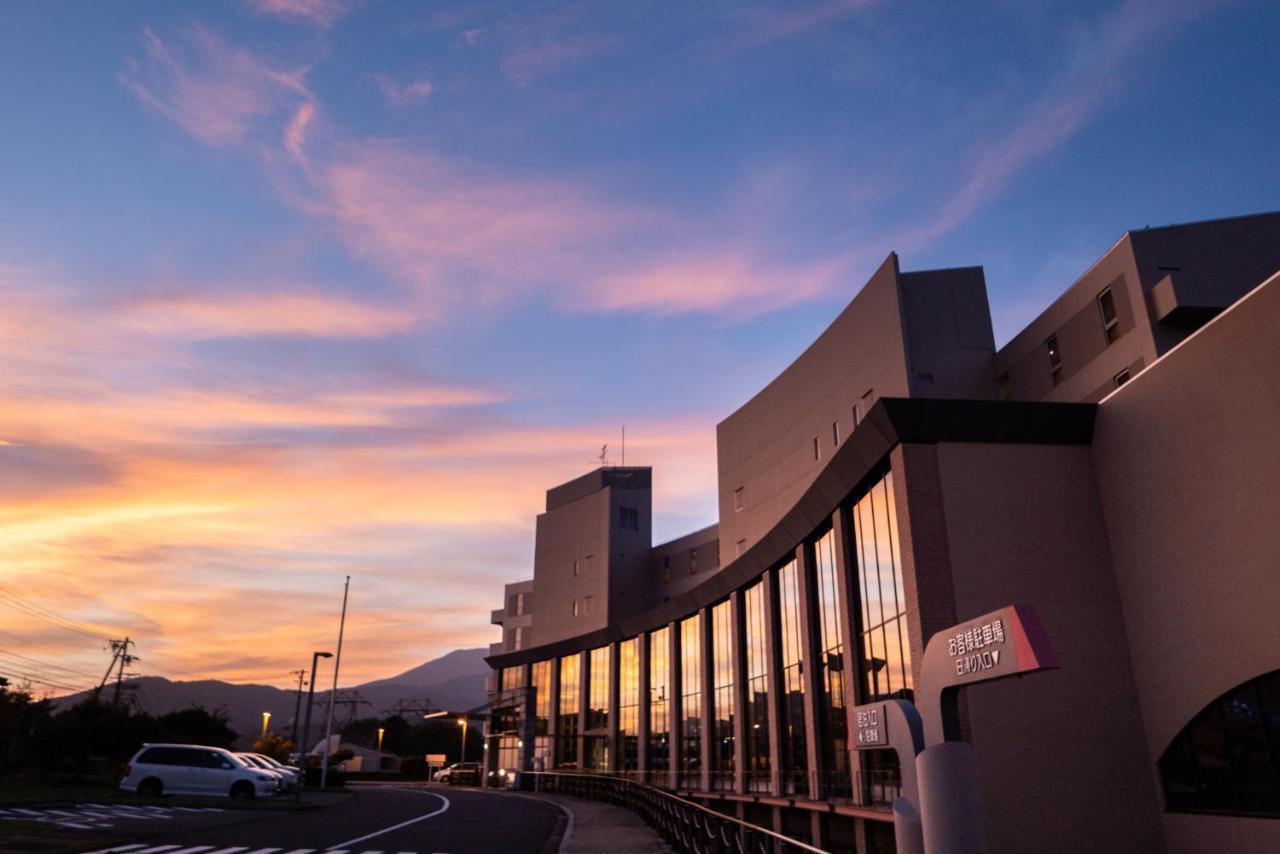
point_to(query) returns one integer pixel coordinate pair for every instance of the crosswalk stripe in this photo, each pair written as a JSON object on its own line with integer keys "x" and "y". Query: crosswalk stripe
{"x": 264, "y": 851}
{"x": 194, "y": 850}
{"x": 336, "y": 851}
{"x": 157, "y": 849}
{"x": 229, "y": 850}
{"x": 300, "y": 851}
{"x": 120, "y": 849}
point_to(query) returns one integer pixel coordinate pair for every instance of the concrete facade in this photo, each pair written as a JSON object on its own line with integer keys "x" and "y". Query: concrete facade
{"x": 1138, "y": 517}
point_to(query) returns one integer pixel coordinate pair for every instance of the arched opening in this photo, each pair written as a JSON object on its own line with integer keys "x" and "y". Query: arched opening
{"x": 1227, "y": 759}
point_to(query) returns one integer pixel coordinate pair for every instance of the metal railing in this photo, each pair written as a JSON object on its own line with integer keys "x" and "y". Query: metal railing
{"x": 688, "y": 827}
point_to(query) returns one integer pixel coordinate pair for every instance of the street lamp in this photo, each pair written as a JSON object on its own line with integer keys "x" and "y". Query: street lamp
{"x": 266, "y": 716}
{"x": 462, "y": 722}
{"x": 381, "y": 730}
{"x": 306, "y": 734}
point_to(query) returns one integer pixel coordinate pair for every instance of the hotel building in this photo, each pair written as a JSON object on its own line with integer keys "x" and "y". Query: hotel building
{"x": 1115, "y": 465}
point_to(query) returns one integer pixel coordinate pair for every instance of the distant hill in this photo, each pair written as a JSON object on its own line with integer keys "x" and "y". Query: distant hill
{"x": 454, "y": 682}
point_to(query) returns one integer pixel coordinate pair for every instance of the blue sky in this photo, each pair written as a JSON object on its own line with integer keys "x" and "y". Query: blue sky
{"x": 301, "y": 287}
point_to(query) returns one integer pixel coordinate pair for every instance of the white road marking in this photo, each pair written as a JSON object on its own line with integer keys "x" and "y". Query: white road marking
{"x": 157, "y": 849}
{"x": 230, "y": 850}
{"x": 120, "y": 849}
{"x": 300, "y": 851}
{"x": 264, "y": 851}
{"x": 195, "y": 850}
{"x": 400, "y": 825}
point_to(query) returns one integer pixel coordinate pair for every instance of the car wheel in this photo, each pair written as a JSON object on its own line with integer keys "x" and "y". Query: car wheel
{"x": 242, "y": 791}
{"x": 150, "y": 788}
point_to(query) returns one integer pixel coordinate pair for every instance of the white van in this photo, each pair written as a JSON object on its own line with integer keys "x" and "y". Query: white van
{"x": 192, "y": 769}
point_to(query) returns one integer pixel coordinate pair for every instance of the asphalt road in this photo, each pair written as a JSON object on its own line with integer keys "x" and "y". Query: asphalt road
{"x": 388, "y": 819}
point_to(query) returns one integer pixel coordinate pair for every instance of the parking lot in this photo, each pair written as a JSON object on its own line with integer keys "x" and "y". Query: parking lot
{"x": 367, "y": 819}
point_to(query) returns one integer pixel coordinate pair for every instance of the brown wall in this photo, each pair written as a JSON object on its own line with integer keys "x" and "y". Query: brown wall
{"x": 1089, "y": 362}
{"x": 766, "y": 446}
{"x": 1061, "y": 764}
{"x": 1188, "y": 462}
{"x": 1211, "y": 834}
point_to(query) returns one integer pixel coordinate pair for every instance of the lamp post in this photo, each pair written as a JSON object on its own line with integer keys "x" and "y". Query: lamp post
{"x": 462, "y": 722}
{"x": 381, "y": 730}
{"x": 306, "y": 734}
{"x": 266, "y": 716}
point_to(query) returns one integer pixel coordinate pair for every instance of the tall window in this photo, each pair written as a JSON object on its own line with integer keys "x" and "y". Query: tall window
{"x": 570, "y": 706}
{"x": 1110, "y": 320}
{"x": 691, "y": 701}
{"x": 596, "y": 742}
{"x": 757, "y": 752}
{"x": 659, "y": 706}
{"x": 1055, "y": 358}
{"x": 884, "y": 645}
{"x": 512, "y": 678}
{"x": 541, "y": 672}
{"x": 835, "y": 726}
{"x": 794, "y": 770}
{"x": 722, "y": 749}
{"x": 629, "y": 704}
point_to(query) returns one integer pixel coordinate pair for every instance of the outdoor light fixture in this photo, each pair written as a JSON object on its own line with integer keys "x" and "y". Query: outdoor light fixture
{"x": 439, "y": 714}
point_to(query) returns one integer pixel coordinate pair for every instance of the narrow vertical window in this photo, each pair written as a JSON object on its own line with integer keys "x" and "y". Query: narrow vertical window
{"x": 835, "y": 433}
{"x": 1110, "y": 321}
{"x": 659, "y": 710}
{"x": 517, "y": 641}
{"x": 737, "y": 499}
{"x": 816, "y": 448}
{"x": 723, "y": 707}
{"x": 691, "y": 702}
{"x": 1055, "y": 358}
{"x": 855, "y": 415}
{"x": 742, "y": 547}
{"x": 693, "y": 561}
{"x": 577, "y": 607}
{"x": 569, "y": 702}
{"x": 577, "y": 568}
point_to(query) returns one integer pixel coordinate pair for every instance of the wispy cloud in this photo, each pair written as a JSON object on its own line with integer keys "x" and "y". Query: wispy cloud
{"x": 531, "y": 62}
{"x": 212, "y": 90}
{"x": 1092, "y": 77}
{"x": 318, "y": 13}
{"x": 402, "y": 94}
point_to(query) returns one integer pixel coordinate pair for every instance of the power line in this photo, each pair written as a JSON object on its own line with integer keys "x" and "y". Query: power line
{"x": 69, "y": 671}
{"x": 32, "y": 609}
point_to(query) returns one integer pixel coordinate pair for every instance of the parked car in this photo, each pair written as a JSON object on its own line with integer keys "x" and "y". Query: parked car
{"x": 257, "y": 760}
{"x": 459, "y": 773}
{"x": 192, "y": 769}
{"x": 292, "y": 771}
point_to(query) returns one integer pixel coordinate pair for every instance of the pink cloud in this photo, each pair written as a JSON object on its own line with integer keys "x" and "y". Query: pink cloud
{"x": 532, "y": 62}
{"x": 403, "y": 94}
{"x": 774, "y": 26}
{"x": 318, "y": 13}
{"x": 295, "y": 135}
{"x": 297, "y": 313}
{"x": 212, "y": 90}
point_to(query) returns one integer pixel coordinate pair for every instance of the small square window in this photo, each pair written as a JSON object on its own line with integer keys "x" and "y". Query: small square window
{"x": 1121, "y": 378}
{"x": 1110, "y": 320}
{"x": 737, "y": 499}
{"x": 835, "y": 433}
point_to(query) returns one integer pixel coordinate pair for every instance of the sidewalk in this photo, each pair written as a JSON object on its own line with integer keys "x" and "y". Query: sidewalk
{"x": 596, "y": 828}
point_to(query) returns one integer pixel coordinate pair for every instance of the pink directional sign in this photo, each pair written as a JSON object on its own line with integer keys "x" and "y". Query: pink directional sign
{"x": 1006, "y": 642}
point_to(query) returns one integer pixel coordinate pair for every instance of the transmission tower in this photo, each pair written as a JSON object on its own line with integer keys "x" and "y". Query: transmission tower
{"x": 410, "y": 709}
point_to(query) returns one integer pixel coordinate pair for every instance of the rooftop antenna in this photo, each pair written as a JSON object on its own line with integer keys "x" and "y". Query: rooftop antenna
{"x": 604, "y": 454}
{"x": 624, "y": 445}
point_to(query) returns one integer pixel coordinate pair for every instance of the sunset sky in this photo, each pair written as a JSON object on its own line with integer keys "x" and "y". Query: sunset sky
{"x": 291, "y": 289}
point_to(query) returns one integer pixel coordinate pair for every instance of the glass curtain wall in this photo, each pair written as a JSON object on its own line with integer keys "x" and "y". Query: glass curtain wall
{"x": 541, "y": 681}
{"x": 884, "y": 646}
{"x": 659, "y": 708}
{"x": 691, "y": 701}
{"x": 757, "y": 748}
{"x": 722, "y": 753}
{"x": 795, "y": 776}
{"x": 597, "y": 742}
{"x": 835, "y": 725}
{"x": 570, "y": 706}
{"x": 629, "y": 706}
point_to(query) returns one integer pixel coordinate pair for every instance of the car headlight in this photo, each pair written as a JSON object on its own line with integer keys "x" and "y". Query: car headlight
{"x": 266, "y": 778}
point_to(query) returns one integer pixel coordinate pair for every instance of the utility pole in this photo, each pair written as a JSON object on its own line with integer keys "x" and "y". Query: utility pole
{"x": 337, "y": 662}
{"x": 122, "y": 658}
{"x": 297, "y": 706}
